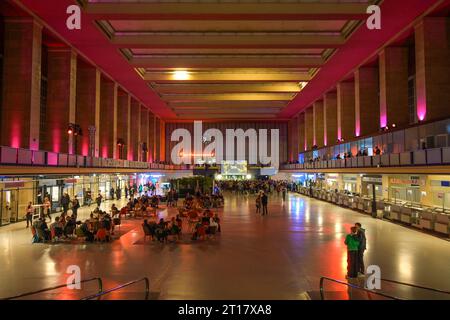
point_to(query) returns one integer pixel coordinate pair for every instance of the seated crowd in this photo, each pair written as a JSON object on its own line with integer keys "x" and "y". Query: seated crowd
{"x": 99, "y": 227}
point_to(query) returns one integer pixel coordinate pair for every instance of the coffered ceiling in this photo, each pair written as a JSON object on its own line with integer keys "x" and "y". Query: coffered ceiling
{"x": 227, "y": 59}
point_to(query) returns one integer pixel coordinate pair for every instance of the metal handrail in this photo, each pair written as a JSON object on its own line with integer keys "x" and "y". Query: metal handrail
{"x": 416, "y": 286}
{"x": 102, "y": 293}
{"x": 99, "y": 281}
{"x": 322, "y": 296}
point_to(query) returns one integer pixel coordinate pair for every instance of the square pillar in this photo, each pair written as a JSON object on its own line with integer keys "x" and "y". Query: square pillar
{"x": 122, "y": 124}
{"x": 366, "y": 101}
{"x": 133, "y": 149}
{"x": 433, "y": 68}
{"x": 163, "y": 141}
{"x": 157, "y": 139}
{"x": 61, "y": 107}
{"x": 318, "y": 124}
{"x": 143, "y": 139}
{"x": 394, "y": 86}
{"x": 346, "y": 110}
{"x": 309, "y": 128}
{"x": 301, "y": 132}
{"x": 330, "y": 118}
{"x": 21, "y": 84}
{"x": 151, "y": 143}
{"x": 108, "y": 114}
{"x": 87, "y": 109}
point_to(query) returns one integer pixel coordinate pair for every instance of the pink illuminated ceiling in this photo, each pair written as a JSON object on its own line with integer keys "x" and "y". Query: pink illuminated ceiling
{"x": 240, "y": 61}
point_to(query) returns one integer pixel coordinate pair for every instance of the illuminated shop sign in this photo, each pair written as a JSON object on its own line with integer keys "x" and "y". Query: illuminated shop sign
{"x": 413, "y": 181}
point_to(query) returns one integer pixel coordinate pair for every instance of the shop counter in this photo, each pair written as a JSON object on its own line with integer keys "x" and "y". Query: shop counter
{"x": 427, "y": 218}
{"x": 405, "y": 215}
{"x": 395, "y": 213}
{"x": 442, "y": 223}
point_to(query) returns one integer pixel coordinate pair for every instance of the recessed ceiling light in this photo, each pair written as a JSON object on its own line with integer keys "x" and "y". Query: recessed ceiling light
{"x": 181, "y": 75}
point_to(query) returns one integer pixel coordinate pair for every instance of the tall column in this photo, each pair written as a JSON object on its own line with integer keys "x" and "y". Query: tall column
{"x": 290, "y": 141}
{"x": 122, "y": 124}
{"x": 61, "y": 90}
{"x": 394, "y": 86}
{"x": 21, "y": 84}
{"x": 115, "y": 113}
{"x": 366, "y": 101}
{"x": 433, "y": 68}
{"x": 157, "y": 139}
{"x": 151, "y": 144}
{"x": 346, "y": 110}
{"x": 330, "y": 118}
{"x": 143, "y": 139}
{"x": 163, "y": 141}
{"x": 134, "y": 130}
{"x": 318, "y": 124}
{"x": 87, "y": 108}
{"x": 301, "y": 132}
{"x": 98, "y": 77}
{"x": 129, "y": 153}
{"x": 108, "y": 107}
{"x": 295, "y": 138}
{"x": 309, "y": 128}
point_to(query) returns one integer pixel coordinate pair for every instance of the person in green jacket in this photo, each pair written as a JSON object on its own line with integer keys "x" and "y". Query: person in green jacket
{"x": 352, "y": 243}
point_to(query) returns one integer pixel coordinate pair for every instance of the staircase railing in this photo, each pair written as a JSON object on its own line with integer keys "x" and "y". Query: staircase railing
{"x": 369, "y": 292}
{"x": 119, "y": 287}
{"x": 99, "y": 282}
{"x": 416, "y": 286}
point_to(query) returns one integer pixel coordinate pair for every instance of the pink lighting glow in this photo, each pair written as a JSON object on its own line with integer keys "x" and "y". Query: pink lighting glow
{"x": 56, "y": 140}
{"x": 105, "y": 152}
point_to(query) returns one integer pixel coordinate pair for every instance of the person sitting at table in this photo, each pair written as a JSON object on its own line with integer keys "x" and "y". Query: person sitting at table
{"x": 86, "y": 229}
{"x": 217, "y": 220}
{"x": 114, "y": 210}
{"x": 205, "y": 219}
{"x": 101, "y": 235}
{"x": 56, "y": 229}
{"x": 151, "y": 228}
{"x": 174, "y": 228}
{"x": 155, "y": 202}
{"x": 161, "y": 231}
{"x": 199, "y": 232}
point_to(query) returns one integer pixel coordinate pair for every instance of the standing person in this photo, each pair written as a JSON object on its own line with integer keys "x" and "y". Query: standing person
{"x": 111, "y": 193}
{"x": 264, "y": 202}
{"x": 284, "y": 193}
{"x": 258, "y": 204}
{"x": 29, "y": 214}
{"x": 75, "y": 207}
{"x": 126, "y": 192}
{"x": 98, "y": 200}
{"x": 118, "y": 195}
{"x": 361, "y": 234}
{"x": 352, "y": 243}
{"x": 88, "y": 198}
{"x": 65, "y": 200}
{"x": 47, "y": 208}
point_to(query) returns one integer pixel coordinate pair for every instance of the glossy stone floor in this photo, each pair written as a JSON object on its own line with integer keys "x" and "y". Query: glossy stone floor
{"x": 280, "y": 256}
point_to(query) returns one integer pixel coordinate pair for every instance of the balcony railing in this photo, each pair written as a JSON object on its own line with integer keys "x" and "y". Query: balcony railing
{"x": 430, "y": 157}
{"x": 24, "y": 157}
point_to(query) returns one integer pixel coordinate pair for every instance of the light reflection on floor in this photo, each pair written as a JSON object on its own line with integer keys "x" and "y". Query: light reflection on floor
{"x": 275, "y": 257}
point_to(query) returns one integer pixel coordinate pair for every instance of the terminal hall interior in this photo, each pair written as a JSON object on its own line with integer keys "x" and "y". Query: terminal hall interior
{"x": 225, "y": 150}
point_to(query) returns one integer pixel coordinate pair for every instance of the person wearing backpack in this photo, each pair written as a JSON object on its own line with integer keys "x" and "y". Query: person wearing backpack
{"x": 361, "y": 234}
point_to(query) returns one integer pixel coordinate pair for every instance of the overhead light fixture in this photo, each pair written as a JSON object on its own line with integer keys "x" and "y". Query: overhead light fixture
{"x": 181, "y": 75}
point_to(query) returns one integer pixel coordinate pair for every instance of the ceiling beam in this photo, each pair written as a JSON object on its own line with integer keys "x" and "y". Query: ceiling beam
{"x": 227, "y": 40}
{"x": 226, "y": 87}
{"x": 227, "y": 104}
{"x": 228, "y": 97}
{"x": 212, "y": 76}
{"x": 223, "y": 116}
{"x": 214, "y": 11}
{"x": 227, "y": 61}
{"x": 228, "y": 111}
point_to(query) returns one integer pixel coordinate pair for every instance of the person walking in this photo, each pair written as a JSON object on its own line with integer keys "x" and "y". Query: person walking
{"x": 98, "y": 200}
{"x": 284, "y": 193}
{"x": 47, "y": 208}
{"x": 264, "y": 202}
{"x": 352, "y": 243}
{"x": 75, "y": 207}
{"x": 65, "y": 200}
{"x": 361, "y": 235}
{"x": 29, "y": 214}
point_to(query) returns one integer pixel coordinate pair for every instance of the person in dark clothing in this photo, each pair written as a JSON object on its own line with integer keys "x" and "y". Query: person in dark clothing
{"x": 75, "y": 207}
{"x": 65, "y": 200}
{"x": 352, "y": 243}
{"x": 361, "y": 234}
{"x": 264, "y": 202}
